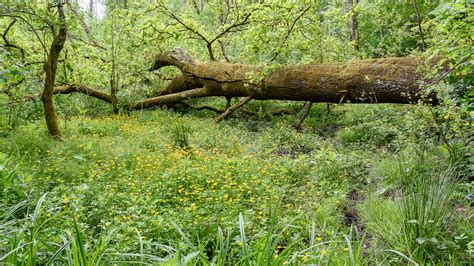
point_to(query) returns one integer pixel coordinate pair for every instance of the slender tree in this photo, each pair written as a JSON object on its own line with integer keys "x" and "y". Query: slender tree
{"x": 420, "y": 30}
{"x": 91, "y": 8}
{"x": 353, "y": 22}
{"x": 113, "y": 74}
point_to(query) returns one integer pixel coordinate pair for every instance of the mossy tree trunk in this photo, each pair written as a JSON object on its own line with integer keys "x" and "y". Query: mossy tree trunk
{"x": 388, "y": 80}
{"x": 50, "y": 67}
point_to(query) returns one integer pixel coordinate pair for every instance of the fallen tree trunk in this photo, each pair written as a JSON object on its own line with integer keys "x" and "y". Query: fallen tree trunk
{"x": 388, "y": 80}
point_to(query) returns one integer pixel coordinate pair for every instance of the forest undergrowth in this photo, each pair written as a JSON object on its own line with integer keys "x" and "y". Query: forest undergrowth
{"x": 352, "y": 187}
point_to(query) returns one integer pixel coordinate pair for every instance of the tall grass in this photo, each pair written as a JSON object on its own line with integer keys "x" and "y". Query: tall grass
{"x": 413, "y": 225}
{"x": 273, "y": 249}
{"x": 426, "y": 208}
{"x": 180, "y": 135}
{"x": 355, "y": 245}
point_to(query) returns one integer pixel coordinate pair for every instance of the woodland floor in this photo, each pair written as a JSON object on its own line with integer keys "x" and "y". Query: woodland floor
{"x": 163, "y": 177}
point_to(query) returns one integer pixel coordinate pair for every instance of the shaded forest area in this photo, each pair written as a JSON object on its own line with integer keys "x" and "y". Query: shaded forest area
{"x": 225, "y": 132}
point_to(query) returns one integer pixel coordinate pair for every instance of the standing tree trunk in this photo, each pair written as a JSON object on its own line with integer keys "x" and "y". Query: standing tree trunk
{"x": 91, "y": 8}
{"x": 50, "y": 67}
{"x": 113, "y": 74}
{"x": 353, "y": 23}
{"x": 420, "y": 30}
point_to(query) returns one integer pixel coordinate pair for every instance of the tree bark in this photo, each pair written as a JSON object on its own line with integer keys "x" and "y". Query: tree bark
{"x": 388, "y": 80}
{"x": 170, "y": 98}
{"x": 85, "y": 90}
{"x": 50, "y": 67}
{"x": 307, "y": 109}
{"x": 231, "y": 109}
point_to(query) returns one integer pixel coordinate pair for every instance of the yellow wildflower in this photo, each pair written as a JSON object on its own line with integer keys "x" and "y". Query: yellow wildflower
{"x": 66, "y": 200}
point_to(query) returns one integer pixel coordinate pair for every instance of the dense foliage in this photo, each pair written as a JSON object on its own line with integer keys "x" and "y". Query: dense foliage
{"x": 359, "y": 184}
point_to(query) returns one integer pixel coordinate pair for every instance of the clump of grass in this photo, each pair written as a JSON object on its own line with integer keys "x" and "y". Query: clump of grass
{"x": 266, "y": 249}
{"x": 394, "y": 170}
{"x": 180, "y": 136}
{"x": 13, "y": 185}
{"x": 381, "y": 216}
{"x": 426, "y": 208}
{"x": 273, "y": 247}
{"x": 355, "y": 247}
{"x": 33, "y": 240}
{"x": 413, "y": 225}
